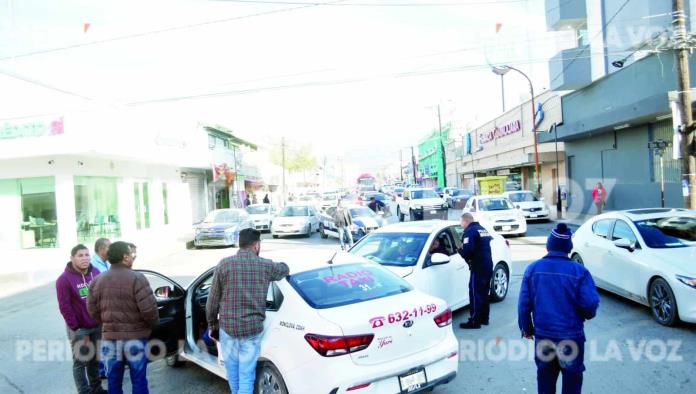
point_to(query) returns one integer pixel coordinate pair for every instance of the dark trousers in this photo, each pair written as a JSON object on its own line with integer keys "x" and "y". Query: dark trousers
{"x": 559, "y": 356}
{"x": 479, "y": 293}
{"x": 85, "y": 359}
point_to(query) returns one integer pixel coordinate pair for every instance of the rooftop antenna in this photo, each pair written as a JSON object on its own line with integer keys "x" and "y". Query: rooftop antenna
{"x": 331, "y": 259}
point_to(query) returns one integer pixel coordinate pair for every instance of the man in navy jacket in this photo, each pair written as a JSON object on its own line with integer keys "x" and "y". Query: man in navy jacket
{"x": 476, "y": 250}
{"x": 556, "y": 298}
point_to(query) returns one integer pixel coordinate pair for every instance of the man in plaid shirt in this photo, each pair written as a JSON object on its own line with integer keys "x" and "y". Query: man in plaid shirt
{"x": 237, "y": 307}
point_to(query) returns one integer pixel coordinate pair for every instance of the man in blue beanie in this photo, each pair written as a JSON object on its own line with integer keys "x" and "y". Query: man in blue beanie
{"x": 556, "y": 298}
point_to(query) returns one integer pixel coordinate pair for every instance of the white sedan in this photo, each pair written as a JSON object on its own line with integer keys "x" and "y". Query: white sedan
{"x": 409, "y": 250}
{"x": 646, "y": 255}
{"x": 296, "y": 219}
{"x": 533, "y": 207}
{"x": 337, "y": 324}
{"x": 498, "y": 213}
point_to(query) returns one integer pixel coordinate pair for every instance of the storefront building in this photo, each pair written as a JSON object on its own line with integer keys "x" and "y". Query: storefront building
{"x": 505, "y": 147}
{"x": 430, "y": 154}
{"x": 607, "y": 127}
{"x": 73, "y": 178}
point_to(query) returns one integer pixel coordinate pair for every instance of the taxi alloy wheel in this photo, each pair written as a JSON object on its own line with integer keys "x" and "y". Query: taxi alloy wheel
{"x": 499, "y": 283}
{"x": 269, "y": 380}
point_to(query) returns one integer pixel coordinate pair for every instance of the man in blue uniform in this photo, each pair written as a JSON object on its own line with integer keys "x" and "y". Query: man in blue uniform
{"x": 556, "y": 298}
{"x": 476, "y": 250}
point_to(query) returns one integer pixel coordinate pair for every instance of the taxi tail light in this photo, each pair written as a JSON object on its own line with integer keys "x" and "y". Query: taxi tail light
{"x": 444, "y": 319}
{"x": 331, "y": 346}
{"x": 358, "y": 387}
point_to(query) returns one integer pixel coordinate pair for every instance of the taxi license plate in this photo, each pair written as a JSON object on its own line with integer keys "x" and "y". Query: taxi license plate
{"x": 412, "y": 381}
{"x": 433, "y": 212}
{"x": 507, "y": 228}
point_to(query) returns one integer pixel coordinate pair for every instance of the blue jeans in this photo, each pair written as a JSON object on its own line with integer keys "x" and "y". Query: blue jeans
{"x": 343, "y": 234}
{"x": 116, "y": 354}
{"x": 240, "y": 356}
{"x": 555, "y": 356}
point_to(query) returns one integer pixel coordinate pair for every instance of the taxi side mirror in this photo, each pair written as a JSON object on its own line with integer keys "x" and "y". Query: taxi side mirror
{"x": 439, "y": 259}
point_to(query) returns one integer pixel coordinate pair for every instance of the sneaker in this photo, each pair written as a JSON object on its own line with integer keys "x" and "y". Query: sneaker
{"x": 470, "y": 325}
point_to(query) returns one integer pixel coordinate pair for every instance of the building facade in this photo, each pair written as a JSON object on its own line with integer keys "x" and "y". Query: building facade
{"x": 430, "y": 158}
{"x": 505, "y": 146}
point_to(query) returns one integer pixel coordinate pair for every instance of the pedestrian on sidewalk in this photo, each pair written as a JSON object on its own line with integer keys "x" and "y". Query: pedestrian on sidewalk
{"x": 343, "y": 222}
{"x": 476, "y": 251}
{"x": 123, "y": 302}
{"x": 99, "y": 260}
{"x": 247, "y": 202}
{"x": 236, "y": 308}
{"x": 266, "y": 200}
{"x": 254, "y": 200}
{"x": 556, "y": 298}
{"x": 72, "y": 288}
{"x": 599, "y": 197}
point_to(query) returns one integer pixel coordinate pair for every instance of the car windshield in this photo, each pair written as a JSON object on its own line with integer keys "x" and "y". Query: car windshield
{"x": 522, "y": 197}
{"x": 494, "y": 204}
{"x": 329, "y": 197}
{"x": 306, "y": 198}
{"x": 420, "y": 194}
{"x": 670, "y": 232}
{"x": 232, "y": 216}
{"x": 333, "y": 286}
{"x": 399, "y": 189}
{"x": 362, "y": 211}
{"x": 258, "y": 209}
{"x": 294, "y": 211}
{"x": 396, "y": 249}
{"x": 459, "y": 192}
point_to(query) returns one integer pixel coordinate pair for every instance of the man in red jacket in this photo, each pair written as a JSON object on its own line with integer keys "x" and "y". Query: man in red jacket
{"x": 72, "y": 288}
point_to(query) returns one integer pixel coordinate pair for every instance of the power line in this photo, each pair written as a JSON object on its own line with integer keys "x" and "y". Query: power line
{"x": 604, "y": 27}
{"x": 168, "y": 30}
{"x": 465, "y": 4}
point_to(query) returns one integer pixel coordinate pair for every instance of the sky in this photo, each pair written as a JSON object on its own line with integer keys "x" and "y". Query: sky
{"x": 359, "y": 79}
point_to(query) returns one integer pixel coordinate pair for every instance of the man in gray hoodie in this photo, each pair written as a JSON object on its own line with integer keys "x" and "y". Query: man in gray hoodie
{"x": 72, "y": 288}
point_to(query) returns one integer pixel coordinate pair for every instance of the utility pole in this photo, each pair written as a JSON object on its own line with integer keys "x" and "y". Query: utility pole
{"x": 282, "y": 149}
{"x": 401, "y": 164}
{"x": 442, "y": 149}
{"x": 688, "y": 156}
{"x": 413, "y": 163}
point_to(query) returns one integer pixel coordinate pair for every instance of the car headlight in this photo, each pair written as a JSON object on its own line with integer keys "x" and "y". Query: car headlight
{"x": 198, "y": 231}
{"x": 444, "y": 205}
{"x": 691, "y": 282}
{"x": 230, "y": 230}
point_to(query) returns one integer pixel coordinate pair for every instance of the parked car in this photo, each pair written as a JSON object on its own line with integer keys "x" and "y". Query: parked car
{"x": 440, "y": 191}
{"x": 329, "y": 200}
{"x": 364, "y": 219}
{"x": 421, "y": 204}
{"x": 336, "y": 324}
{"x": 498, "y": 213}
{"x": 262, "y": 215}
{"x": 221, "y": 227}
{"x": 404, "y": 248}
{"x": 457, "y": 198}
{"x": 645, "y": 255}
{"x": 533, "y": 207}
{"x": 296, "y": 219}
{"x": 397, "y": 193}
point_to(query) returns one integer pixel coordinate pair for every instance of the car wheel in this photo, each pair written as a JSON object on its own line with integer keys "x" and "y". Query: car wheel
{"x": 499, "y": 283}
{"x": 663, "y": 304}
{"x": 174, "y": 361}
{"x": 399, "y": 214}
{"x": 576, "y": 257}
{"x": 323, "y": 234}
{"x": 309, "y": 232}
{"x": 275, "y": 236}
{"x": 269, "y": 380}
{"x": 411, "y": 215}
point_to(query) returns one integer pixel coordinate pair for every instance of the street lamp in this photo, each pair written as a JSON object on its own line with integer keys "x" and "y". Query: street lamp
{"x": 502, "y": 70}
{"x": 559, "y": 208}
{"x": 658, "y": 147}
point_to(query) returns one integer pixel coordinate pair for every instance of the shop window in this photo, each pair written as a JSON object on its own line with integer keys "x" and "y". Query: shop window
{"x": 165, "y": 203}
{"x": 39, "y": 219}
{"x": 142, "y": 205}
{"x": 96, "y": 208}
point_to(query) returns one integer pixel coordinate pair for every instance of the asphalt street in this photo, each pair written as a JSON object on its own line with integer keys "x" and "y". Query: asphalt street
{"x": 626, "y": 350}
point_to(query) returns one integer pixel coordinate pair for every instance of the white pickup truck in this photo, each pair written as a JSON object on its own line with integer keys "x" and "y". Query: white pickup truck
{"x": 421, "y": 204}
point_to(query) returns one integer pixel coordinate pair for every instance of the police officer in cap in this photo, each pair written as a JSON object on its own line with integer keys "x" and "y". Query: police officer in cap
{"x": 476, "y": 250}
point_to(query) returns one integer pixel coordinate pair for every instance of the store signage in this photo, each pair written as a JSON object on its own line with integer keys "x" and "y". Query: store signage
{"x": 33, "y": 128}
{"x": 503, "y": 172}
{"x": 502, "y": 131}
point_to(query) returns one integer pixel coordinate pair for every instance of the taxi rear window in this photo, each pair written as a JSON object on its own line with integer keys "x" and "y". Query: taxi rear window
{"x": 338, "y": 285}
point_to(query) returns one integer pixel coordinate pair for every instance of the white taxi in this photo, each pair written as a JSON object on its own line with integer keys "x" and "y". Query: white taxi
{"x": 498, "y": 213}
{"x": 425, "y": 254}
{"x": 335, "y": 325}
